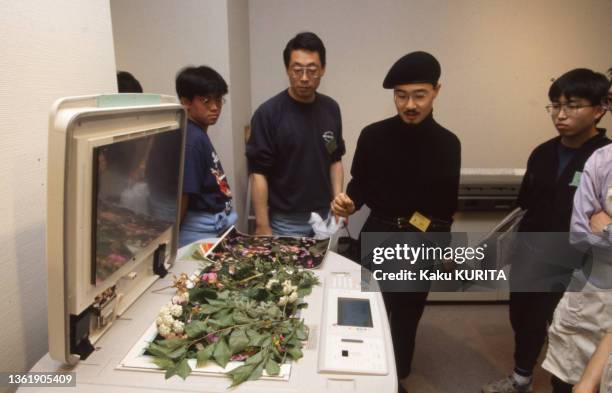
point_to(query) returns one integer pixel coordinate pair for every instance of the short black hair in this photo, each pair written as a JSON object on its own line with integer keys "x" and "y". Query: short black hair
{"x": 581, "y": 83}
{"x": 127, "y": 83}
{"x": 307, "y": 41}
{"x": 200, "y": 81}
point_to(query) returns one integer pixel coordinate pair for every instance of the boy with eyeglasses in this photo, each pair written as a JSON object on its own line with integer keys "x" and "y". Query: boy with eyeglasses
{"x": 206, "y": 204}
{"x": 553, "y": 174}
{"x": 295, "y": 148}
{"x": 583, "y": 319}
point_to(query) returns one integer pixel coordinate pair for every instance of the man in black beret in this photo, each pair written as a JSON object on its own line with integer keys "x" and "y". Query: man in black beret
{"x": 406, "y": 169}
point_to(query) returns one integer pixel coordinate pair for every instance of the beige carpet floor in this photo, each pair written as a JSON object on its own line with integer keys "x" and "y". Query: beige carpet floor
{"x": 462, "y": 346}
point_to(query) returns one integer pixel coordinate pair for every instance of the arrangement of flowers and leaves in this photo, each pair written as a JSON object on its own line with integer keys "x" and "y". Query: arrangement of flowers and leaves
{"x": 238, "y": 307}
{"x": 120, "y": 233}
{"x": 304, "y": 251}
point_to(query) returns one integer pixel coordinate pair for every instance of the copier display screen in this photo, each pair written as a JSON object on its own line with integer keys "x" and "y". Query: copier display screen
{"x": 135, "y": 198}
{"x": 354, "y": 312}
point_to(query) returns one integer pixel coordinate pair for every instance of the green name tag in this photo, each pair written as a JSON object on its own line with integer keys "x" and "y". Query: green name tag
{"x": 331, "y": 146}
{"x": 576, "y": 179}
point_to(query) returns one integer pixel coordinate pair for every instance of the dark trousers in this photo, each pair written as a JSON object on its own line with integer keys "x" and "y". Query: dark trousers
{"x": 530, "y": 315}
{"x": 561, "y": 387}
{"x": 404, "y": 310}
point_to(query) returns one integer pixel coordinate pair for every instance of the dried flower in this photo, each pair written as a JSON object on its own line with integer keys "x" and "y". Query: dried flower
{"x": 176, "y": 310}
{"x": 293, "y": 297}
{"x": 164, "y": 330}
{"x": 167, "y": 319}
{"x": 270, "y": 283}
{"x": 178, "y": 327}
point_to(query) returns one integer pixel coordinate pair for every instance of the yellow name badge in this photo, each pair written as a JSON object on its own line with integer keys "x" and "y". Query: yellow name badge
{"x": 420, "y": 221}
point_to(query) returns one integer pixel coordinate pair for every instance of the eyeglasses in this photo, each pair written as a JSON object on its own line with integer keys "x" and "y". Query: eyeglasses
{"x": 218, "y": 101}
{"x": 402, "y": 97}
{"x": 607, "y": 102}
{"x": 570, "y": 108}
{"x": 311, "y": 72}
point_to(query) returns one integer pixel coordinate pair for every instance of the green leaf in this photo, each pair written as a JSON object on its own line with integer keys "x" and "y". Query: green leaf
{"x": 209, "y": 308}
{"x": 272, "y": 368}
{"x": 238, "y": 341}
{"x": 157, "y": 350}
{"x": 303, "y": 292}
{"x": 295, "y": 352}
{"x": 177, "y": 353}
{"x": 255, "y": 339}
{"x": 199, "y": 294}
{"x": 257, "y": 371}
{"x": 172, "y": 343}
{"x": 223, "y": 295}
{"x": 255, "y": 359}
{"x": 163, "y": 363}
{"x": 258, "y": 294}
{"x": 222, "y": 353}
{"x": 183, "y": 369}
{"x": 253, "y": 313}
{"x": 222, "y": 322}
{"x": 274, "y": 312}
{"x": 241, "y": 318}
{"x": 218, "y": 302}
{"x": 205, "y": 354}
{"x": 301, "y": 332}
{"x": 240, "y": 374}
{"x": 170, "y": 372}
{"x": 196, "y": 329}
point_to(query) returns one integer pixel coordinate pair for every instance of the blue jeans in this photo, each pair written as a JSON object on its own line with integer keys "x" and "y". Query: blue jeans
{"x": 293, "y": 224}
{"x": 201, "y": 225}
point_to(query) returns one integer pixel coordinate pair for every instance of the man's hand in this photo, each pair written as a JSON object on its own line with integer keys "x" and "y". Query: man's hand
{"x": 599, "y": 221}
{"x": 263, "y": 231}
{"x": 342, "y": 205}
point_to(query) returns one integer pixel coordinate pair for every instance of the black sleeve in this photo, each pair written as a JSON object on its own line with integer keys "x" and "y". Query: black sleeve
{"x": 341, "y": 149}
{"x": 450, "y": 193}
{"x": 260, "y": 150}
{"x": 526, "y": 190}
{"x": 355, "y": 187}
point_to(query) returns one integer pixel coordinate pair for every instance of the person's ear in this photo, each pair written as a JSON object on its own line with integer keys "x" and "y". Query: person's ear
{"x": 436, "y": 89}
{"x": 186, "y": 102}
{"x": 601, "y": 111}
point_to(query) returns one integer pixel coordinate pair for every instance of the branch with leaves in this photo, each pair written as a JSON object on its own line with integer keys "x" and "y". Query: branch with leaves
{"x": 241, "y": 309}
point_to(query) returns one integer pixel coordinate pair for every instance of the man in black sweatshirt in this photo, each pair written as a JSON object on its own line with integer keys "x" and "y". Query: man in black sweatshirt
{"x": 296, "y": 146}
{"x": 544, "y": 259}
{"x": 406, "y": 169}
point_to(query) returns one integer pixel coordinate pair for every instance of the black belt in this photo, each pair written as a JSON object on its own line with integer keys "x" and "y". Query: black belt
{"x": 435, "y": 225}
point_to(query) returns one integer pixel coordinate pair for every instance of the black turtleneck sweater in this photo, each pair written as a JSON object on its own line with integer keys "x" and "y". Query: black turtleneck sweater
{"x": 400, "y": 168}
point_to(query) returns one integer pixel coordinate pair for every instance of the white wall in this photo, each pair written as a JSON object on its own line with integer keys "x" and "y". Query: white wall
{"x": 497, "y": 57}
{"x": 154, "y": 39}
{"x": 48, "y": 50}
{"x": 240, "y": 93}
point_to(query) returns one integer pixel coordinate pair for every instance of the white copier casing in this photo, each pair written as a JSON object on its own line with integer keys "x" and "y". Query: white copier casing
{"x": 140, "y": 292}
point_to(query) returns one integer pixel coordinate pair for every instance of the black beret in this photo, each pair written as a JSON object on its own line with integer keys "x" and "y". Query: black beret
{"x": 415, "y": 67}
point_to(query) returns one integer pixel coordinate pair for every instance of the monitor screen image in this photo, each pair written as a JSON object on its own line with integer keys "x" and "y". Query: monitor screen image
{"x": 354, "y": 312}
{"x": 135, "y": 198}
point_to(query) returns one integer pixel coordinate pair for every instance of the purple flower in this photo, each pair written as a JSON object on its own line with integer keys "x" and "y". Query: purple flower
{"x": 212, "y": 338}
